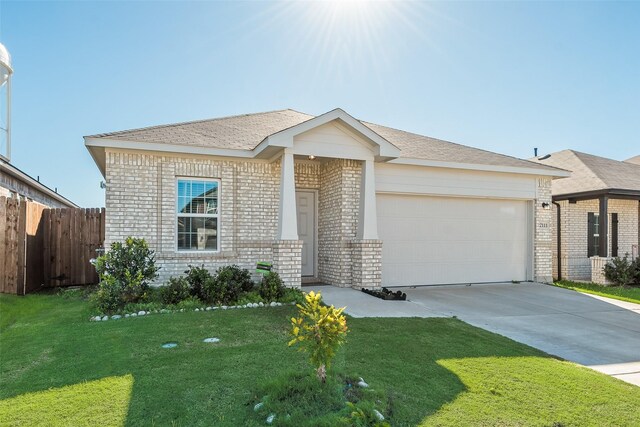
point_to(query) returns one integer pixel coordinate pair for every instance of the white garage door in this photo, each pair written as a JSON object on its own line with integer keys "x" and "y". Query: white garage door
{"x": 441, "y": 240}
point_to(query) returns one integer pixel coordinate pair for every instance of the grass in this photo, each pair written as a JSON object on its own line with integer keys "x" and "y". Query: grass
{"x": 622, "y": 293}
{"x": 59, "y": 369}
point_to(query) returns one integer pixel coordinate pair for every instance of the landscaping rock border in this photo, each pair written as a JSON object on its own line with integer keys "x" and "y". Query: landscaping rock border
{"x": 141, "y": 313}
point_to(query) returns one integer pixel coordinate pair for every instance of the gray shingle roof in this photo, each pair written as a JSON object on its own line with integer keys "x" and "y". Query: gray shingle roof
{"x": 245, "y": 132}
{"x": 591, "y": 173}
{"x": 635, "y": 159}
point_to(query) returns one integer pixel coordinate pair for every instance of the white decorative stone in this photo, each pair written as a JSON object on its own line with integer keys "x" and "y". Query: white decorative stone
{"x": 224, "y": 307}
{"x": 197, "y": 309}
{"x": 362, "y": 384}
{"x": 105, "y": 318}
{"x": 127, "y": 315}
{"x": 141, "y": 313}
{"x": 273, "y": 304}
{"x": 261, "y": 304}
{"x": 133, "y": 314}
{"x": 116, "y": 317}
{"x": 258, "y": 406}
{"x": 208, "y": 308}
{"x": 378, "y": 415}
{"x": 270, "y": 418}
{"x": 211, "y": 340}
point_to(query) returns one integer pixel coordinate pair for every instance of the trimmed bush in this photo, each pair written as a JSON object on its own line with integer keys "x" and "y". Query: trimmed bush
{"x": 197, "y": 277}
{"x": 108, "y": 297}
{"x": 622, "y": 271}
{"x": 177, "y": 289}
{"x": 271, "y": 288}
{"x": 227, "y": 284}
{"x": 125, "y": 272}
{"x": 131, "y": 260}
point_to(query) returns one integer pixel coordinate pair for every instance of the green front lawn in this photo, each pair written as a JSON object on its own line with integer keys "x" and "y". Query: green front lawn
{"x": 623, "y": 293}
{"x": 56, "y": 368}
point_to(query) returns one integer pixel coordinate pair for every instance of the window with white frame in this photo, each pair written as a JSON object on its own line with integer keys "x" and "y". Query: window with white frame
{"x": 198, "y": 214}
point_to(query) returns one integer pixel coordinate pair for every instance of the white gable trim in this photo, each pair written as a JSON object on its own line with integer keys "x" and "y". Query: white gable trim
{"x": 381, "y": 148}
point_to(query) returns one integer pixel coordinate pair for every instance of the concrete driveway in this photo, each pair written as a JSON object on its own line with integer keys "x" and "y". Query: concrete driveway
{"x": 597, "y": 332}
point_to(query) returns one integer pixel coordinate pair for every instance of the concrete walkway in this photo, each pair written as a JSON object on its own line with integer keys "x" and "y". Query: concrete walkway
{"x": 601, "y": 333}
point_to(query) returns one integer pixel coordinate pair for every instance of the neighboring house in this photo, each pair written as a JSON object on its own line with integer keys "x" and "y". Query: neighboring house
{"x": 326, "y": 198}
{"x": 635, "y": 160}
{"x": 16, "y": 183}
{"x": 597, "y": 210}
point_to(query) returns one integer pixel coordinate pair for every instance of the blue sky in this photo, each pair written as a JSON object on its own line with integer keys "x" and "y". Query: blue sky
{"x": 502, "y": 76}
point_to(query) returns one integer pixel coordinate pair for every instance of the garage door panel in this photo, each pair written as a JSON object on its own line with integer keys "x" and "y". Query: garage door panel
{"x": 437, "y": 240}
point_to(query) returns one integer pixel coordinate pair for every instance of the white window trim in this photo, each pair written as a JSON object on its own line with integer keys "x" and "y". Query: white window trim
{"x": 218, "y": 216}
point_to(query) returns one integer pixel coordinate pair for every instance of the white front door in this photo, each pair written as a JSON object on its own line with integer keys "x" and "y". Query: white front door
{"x": 306, "y": 207}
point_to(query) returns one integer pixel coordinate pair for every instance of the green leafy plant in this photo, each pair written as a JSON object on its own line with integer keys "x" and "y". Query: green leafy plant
{"x": 131, "y": 260}
{"x": 319, "y": 331}
{"x": 197, "y": 277}
{"x": 108, "y": 297}
{"x": 271, "y": 288}
{"x": 622, "y": 271}
{"x": 177, "y": 289}
{"x": 227, "y": 284}
{"x": 362, "y": 414}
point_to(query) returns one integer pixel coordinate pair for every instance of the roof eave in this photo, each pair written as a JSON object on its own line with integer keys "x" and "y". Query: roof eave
{"x": 614, "y": 193}
{"x": 29, "y": 180}
{"x": 553, "y": 173}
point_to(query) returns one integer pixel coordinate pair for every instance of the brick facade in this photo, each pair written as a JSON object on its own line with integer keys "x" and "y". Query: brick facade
{"x": 286, "y": 261}
{"x": 543, "y": 235}
{"x": 366, "y": 258}
{"x": 574, "y": 228}
{"x": 141, "y": 202}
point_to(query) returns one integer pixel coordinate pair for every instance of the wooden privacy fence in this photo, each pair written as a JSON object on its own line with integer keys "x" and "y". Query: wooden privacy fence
{"x": 43, "y": 247}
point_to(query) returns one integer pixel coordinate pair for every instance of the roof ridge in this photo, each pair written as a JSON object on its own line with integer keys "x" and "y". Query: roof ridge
{"x": 595, "y": 175}
{"x": 188, "y": 122}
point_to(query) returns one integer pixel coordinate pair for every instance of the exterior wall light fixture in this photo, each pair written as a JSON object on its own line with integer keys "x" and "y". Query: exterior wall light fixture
{"x": 545, "y": 205}
{"x": 312, "y": 157}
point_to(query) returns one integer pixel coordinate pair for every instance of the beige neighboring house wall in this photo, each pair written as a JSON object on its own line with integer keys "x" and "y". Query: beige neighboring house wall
{"x": 261, "y": 160}
{"x": 593, "y": 179}
{"x": 15, "y": 183}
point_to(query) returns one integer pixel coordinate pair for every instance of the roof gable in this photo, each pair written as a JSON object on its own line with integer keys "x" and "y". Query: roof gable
{"x": 592, "y": 173}
{"x": 379, "y": 147}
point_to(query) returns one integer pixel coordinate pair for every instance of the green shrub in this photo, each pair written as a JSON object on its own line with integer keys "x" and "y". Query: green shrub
{"x": 129, "y": 260}
{"x": 177, "y": 289}
{"x": 250, "y": 297}
{"x": 622, "y": 271}
{"x": 108, "y": 297}
{"x": 197, "y": 277}
{"x": 292, "y": 295}
{"x": 320, "y": 331}
{"x": 125, "y": 272}
{"x": 271, "y": 288}
{"x": 190, "y": 303}
{"x": 227, "y": 284}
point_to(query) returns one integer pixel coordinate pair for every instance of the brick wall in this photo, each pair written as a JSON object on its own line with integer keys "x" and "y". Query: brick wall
{"x": 575, "y": 263}
{"x": 338, "y": 219}
{"x": 543, "y": 234}
{"x": 366, "y": 259}
{"x": 141, "y": 202}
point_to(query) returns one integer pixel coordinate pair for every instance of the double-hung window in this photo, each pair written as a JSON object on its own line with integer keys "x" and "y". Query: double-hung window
{"x": 198, "y": 208}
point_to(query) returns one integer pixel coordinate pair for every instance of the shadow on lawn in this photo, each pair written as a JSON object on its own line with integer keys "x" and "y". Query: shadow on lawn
{"x": 408, "y": 360}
